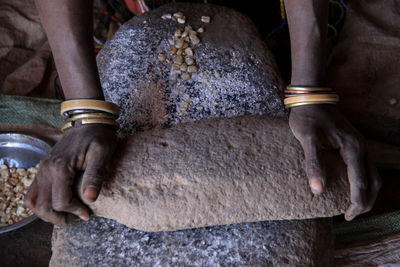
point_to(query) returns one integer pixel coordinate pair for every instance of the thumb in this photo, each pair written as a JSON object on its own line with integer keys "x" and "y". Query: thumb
{"x": 315, "y": 168}
{"x": 93, "y": 177}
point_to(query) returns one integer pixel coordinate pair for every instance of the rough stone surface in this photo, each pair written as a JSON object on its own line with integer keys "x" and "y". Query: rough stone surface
{"x": 237, "y": 73}
{"x": 215, "y": 172}
{"x": 103, "y": 242}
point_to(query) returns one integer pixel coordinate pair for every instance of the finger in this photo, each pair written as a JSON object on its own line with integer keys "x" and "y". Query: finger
{"x": 315, "y": 168}
{"x": 31, "y": 196}
{"x": 375, "y": 183}
{"x": 94, "y": 173}
{"x": 44, "y": 210}
{"x": 63, "y": 199}
{"x": 353, "y": 155}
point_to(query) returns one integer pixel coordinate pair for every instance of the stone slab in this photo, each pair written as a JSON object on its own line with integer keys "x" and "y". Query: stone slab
{"x": 215, "y": 172}
{"x": 103, "y": 242}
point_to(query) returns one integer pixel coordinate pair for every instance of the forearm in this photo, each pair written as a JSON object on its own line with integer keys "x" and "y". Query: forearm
{"x": 69, "y": 28}
{"x": 308, "y": 21}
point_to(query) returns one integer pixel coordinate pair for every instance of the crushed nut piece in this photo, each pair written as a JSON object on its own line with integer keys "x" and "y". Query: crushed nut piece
{"x": 14, "y": 184}
{"x": 166, "y": 16}
{"x": 178, "y": 15}
{"x": 189, "y": 61}
{"x": 200, "y": 30}
{"x": 192, "y": 69}
{"x": 179, "y": 43}
{"x": 205, "y": 19}
{"x": 185, "y": 76}
{"x": 183, "y": 67}
{"x": 173, "y": 50}
{"x": 176, "y": 67}
{"x": 189, "y": 51}
{"x": 194, "y": 39}
{"x": 178, "y": 60}
{"x": 162, "y": 57}
{"x": 181, "y": 20}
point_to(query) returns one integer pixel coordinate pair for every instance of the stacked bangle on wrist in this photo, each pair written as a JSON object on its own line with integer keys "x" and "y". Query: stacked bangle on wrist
{"x": 305, "y": 95}
{"x": 88, "y": 111}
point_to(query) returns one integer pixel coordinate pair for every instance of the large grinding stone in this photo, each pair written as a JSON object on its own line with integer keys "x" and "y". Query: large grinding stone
{"x": 237, "y": 73}
{"x": 103, "y": 242}
{"x": 215, "y": 172}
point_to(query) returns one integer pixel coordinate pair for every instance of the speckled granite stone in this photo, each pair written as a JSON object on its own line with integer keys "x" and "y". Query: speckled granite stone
{"x": 237, "y": 73}
{"x": 103, "y": 242}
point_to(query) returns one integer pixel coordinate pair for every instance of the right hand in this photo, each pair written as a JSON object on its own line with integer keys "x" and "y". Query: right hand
{"x": 87, "y": 149}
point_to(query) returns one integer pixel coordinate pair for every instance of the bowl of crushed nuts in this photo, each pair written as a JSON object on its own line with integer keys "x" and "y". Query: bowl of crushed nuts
{"x": 20, "y": 155}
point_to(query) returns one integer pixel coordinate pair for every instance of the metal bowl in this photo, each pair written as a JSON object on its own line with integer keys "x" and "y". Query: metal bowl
{"x": 21, "y": 151}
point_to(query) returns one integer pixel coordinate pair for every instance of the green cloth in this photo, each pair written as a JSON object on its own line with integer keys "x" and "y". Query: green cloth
{"x": 30, "y": 110}
{"x": 367, "y": 229}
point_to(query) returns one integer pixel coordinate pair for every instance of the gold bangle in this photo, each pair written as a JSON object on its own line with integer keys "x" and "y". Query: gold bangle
{"x": 71, "y": 124}
{"x": 308, "y": 88}
{"x": 92, "y": 116}
{"x": 89, "y": 104}
{"x": 66, "y": 126}
{"x": 308, "y": 103}
{"x": 316, "y": 98}
{"x": 100, "y": 121}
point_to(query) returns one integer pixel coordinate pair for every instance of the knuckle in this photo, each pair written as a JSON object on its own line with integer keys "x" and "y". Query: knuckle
{"x": 60, "y": 206}
{"x": 29, "y": 202}
{"x": 355, "y": 144}
{"x": 41, "y": 211}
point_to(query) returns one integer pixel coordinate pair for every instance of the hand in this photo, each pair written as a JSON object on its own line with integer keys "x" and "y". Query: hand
{"x": 319, "y": 127}
{"x": 85, "y": 149}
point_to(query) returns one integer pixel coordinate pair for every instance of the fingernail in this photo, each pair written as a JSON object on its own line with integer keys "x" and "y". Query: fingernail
{"x": 84, "y": 217}
{"x": 316, "y": 186}
{"x": 90, "y": 193}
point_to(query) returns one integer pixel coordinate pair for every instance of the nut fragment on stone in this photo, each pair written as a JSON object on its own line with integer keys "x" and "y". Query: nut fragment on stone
{"x": 14, "y": 184}
{"x": 192, "y": 69}
{"x": 189, "y": 61}
{"x": 178, "y": 33}
{"x": 173, "y": 50}
{"x": 205, "y": 19}
{"x": 200, "y": 30}
{"x": 183, "y": 67}
{"x": 181, "y": 20}
{"x": 178, "y": 14}
{"x": 393, "y": 101}
{"x": 189, "y": 52}
{"x": 166, "y": 16}
{"x": 162, "y": 57}
{"x": 179, "y": 52}
{"x": 176, "y": 67}
{"x": 179, "y": 43}
{"x": 185, "y": 76}
{"x": 194, "y": 39}
{"x": 178, "y": 60}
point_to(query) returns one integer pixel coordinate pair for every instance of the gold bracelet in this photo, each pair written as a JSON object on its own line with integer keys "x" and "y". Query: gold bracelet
{"x": 312, "y": 99}
{"x": 71, "y": 124}
{"x": 308, "y": 88}
{"x": 89, "y": 104}
{"x": 308, "y": 103}
{"x": 92, "y": 116}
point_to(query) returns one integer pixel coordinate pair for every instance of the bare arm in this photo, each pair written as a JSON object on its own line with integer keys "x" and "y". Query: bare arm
{"x": 69, "y": 28}
{"x": 320, "y": 127}
{"x": 82, "y": 150}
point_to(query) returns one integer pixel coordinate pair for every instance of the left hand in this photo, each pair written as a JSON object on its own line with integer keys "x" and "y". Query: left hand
{"x": 320, "y": 127}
